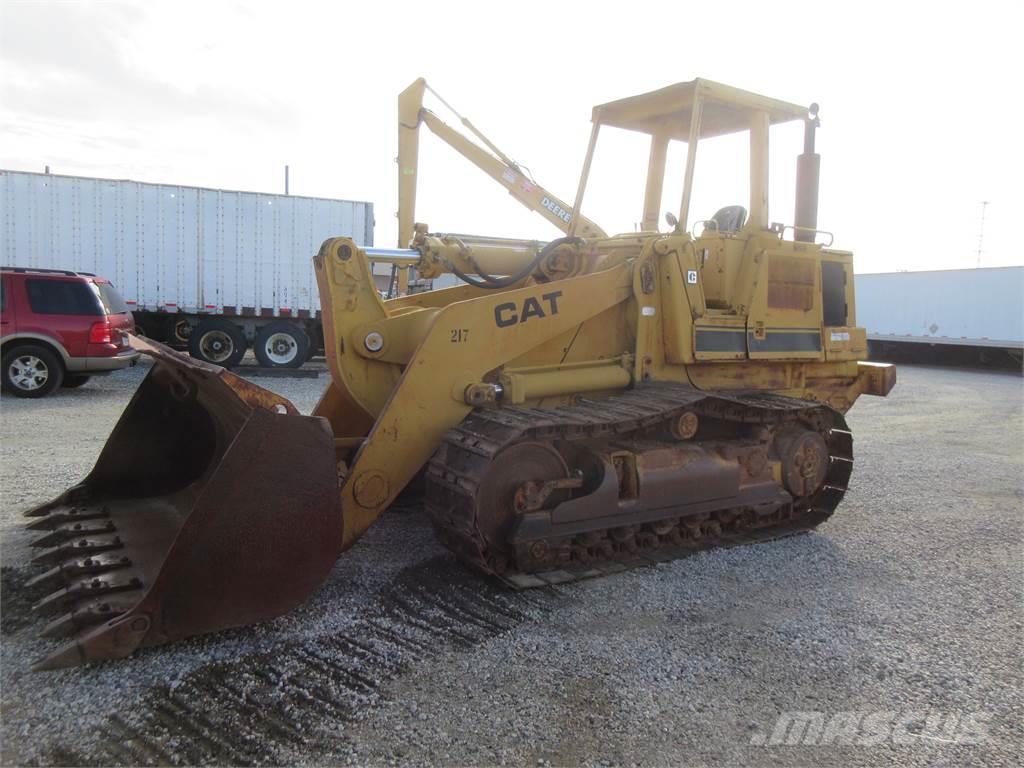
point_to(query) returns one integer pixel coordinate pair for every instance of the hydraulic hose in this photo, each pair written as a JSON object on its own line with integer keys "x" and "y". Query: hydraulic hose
{"x": 491, "y": 282}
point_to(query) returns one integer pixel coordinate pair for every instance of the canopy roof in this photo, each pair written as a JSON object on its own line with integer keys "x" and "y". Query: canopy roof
{"x": 668, "y": 110}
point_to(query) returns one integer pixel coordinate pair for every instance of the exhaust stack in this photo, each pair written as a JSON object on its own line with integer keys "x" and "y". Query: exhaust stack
{"x": 808, "y": 168}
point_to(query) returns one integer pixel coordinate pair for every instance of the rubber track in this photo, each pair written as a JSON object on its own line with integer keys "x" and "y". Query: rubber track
{"x": 457, "y": 468}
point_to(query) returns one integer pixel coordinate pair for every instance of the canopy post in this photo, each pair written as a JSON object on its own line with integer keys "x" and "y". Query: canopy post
{"x": 655, "y": 182}
{"x": 583, "y": 177}
{"x": 759, "y": 123}
{"x": 691, "y": 158}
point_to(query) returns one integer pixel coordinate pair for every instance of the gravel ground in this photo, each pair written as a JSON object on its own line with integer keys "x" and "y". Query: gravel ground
{"x": 903, "y": 611}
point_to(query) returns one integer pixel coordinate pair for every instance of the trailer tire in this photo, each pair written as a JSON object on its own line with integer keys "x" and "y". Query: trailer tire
{"x": 281, "y": 344}
{"x": 217, "y": 341}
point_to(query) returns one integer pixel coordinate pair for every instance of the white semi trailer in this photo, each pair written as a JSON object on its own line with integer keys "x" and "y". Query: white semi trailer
{"x": 962, "y": 312}
{"x": 214, "y": 270}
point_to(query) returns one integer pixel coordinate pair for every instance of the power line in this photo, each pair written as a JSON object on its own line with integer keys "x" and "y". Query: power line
{"x": 981, "y": 230}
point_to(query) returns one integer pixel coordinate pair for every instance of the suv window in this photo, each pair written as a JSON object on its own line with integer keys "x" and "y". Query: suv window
{"x": 62, "y": 297}
{"x": 111, "y": 299}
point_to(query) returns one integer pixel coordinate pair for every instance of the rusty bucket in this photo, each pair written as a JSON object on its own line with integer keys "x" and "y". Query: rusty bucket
{"x": 214, "y": 504}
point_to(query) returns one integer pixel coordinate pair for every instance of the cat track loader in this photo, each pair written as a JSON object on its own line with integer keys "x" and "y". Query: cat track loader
{"x": 577, "y": 408}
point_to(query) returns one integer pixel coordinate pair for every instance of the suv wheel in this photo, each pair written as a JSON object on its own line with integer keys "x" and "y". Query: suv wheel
{"x": 217, "y": 341}
{"x": 281, "y": 345}
{"x": 31, "y": 370}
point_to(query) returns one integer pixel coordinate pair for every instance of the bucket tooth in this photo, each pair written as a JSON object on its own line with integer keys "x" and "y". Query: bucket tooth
{"x": 53, "y": 602}
{"x": 68, "y": 655}
{"x": 101, "y": 563}
{"x": 85, "y": 589}
{"x": 49, "y": 521}
{"x": 72, "y": 569}
{"x": 61, "y": 627}
{"x": 78, "y": 547}
{"x": 93, "y": 612}
{"x": 75, "y": 495}
{"x": 48, "y": 580}
{"x": 66, "y": 531}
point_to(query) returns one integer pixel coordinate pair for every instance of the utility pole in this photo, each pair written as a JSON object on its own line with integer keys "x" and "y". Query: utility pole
{"x": 286, "y": 179}
{"x": 981, "y": 231}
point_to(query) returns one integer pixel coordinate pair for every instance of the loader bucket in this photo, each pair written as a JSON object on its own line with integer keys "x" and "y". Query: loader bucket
{"x": 213, "y": 504}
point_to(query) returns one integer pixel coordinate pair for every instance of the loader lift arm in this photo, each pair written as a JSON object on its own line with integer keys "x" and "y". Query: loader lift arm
{"x": 492, "y": 161}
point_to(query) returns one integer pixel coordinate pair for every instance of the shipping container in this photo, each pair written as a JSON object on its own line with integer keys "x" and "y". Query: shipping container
{"x": 184, "y": 256}
{"x": 979, "y": 308}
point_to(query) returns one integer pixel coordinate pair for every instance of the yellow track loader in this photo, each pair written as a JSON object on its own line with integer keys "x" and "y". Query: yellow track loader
{"x": 577, "y": 408}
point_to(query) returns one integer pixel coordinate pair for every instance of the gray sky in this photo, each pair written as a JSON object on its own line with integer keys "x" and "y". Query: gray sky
{"x": 920, "y": 106}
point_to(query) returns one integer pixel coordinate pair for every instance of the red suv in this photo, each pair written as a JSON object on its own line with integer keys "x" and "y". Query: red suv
{"x": 59, "y": 328}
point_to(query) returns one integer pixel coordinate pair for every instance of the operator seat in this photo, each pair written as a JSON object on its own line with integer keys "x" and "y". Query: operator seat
{"x": 730, "y": 219}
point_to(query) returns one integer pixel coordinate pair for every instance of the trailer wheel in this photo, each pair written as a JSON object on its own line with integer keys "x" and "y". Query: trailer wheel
{"x": 181, "y": 331}
{"x": 217, "y": 341}
{"x": 281, "y": 345}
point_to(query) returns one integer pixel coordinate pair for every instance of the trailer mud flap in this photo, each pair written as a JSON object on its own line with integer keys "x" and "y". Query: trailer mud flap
{"x": 214, "y": 504}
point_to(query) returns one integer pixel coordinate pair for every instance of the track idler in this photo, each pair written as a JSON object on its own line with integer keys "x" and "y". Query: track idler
{"x": 214, "y": 504}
